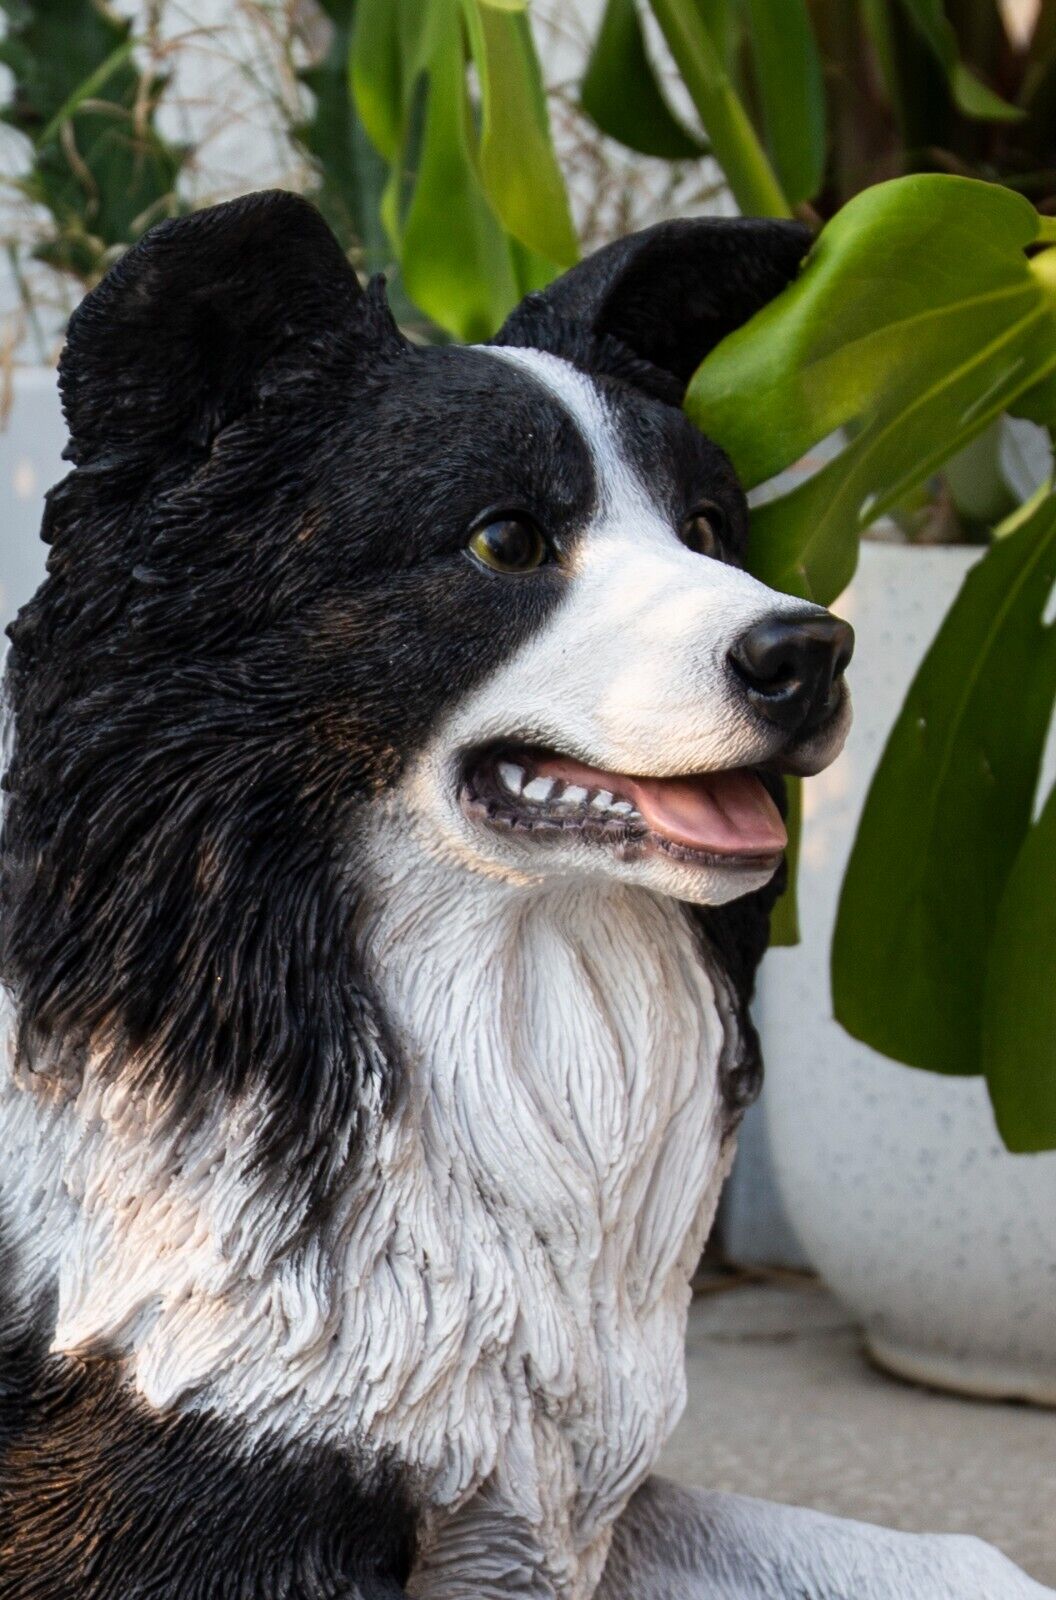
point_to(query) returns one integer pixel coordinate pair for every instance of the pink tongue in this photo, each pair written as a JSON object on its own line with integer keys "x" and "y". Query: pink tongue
{"x": 729, "y": 813}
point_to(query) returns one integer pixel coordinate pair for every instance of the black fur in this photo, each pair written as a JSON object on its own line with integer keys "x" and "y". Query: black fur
{"x": 103, "y": 1499}
{"x": 258, "y": 607}
{"x": 736, "y": 936}
{"x": 239, "y": 640}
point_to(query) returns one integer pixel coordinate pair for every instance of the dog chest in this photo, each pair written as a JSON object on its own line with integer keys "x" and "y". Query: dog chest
{"x": 563, "y": 1050}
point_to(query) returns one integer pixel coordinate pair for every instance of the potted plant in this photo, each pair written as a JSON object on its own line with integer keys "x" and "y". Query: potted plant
{"x": 897, "y": 1180}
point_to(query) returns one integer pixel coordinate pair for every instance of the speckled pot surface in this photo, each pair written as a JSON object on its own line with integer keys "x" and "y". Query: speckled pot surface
{"x": 942, "y": 1243}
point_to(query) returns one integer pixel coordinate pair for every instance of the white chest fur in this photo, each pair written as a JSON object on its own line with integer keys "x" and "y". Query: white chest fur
{"x": 500, "y": 1294}
{"x": 564, "y": 1042}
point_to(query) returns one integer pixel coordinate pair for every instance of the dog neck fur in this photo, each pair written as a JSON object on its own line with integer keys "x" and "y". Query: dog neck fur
{"x": 499, "y": 1292}
{"x": 565, "y": 1040}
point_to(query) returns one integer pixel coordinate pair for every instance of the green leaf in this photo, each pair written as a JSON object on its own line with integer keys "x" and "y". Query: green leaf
{"x": 969, "y": 92}
{"x": 784, "y": 919}
{"x": 947, "y": 811}
{"x": 455, "y": 257}
{"x": 1019, "y": 1001}
{"x": 792, "y": 93}
{"x": 734, "y": 142}
{"x": 383, "y": 64}
{"x": 1039, "y": 402}
{"x": 517, "y": 162}
{"x": 531, "y": 271}
{"x": 622, "y": 94}
{"x": 916, "y": 320}
{"x": 351, "y": 175}
{"x": 473, "y": 212}
{"x": 391, "y": 48}
{"x": 90, "y": 89}
{"x": 724, "y": 21}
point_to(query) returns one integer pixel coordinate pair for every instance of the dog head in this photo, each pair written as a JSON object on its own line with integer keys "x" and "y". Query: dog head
{"x": 302, "y": 564}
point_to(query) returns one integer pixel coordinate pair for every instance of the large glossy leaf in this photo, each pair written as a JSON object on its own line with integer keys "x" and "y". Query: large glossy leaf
{"x": 973, "y": 96}
{"x": 1019, "y": 1005}
{"x": 725, "y": 22}
{"x": 792, "y": 93}
{"x": 517, "y": 162}
{"x": 734, "y": 142}
{"x": 392, "y": 44}
{"x": 1038, "y": 403}
{"x": 947, "y": 813}
{"x": 334, "y": 138}
{"x": 385, "y": 58}
{"x": 916, "y": 320}
{"x": 621, "y": 92}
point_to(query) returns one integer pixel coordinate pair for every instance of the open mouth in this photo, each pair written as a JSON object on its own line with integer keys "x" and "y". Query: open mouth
{"x": 713, "y": 819}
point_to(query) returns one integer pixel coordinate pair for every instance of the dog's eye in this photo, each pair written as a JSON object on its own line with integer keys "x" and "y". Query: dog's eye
{"x": 703, "y": 530}
{"x": 509, "y": 544}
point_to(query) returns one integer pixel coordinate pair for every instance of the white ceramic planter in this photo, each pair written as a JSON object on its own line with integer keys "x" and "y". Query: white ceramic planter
{"x": 938, "y": 1240}
{"x": 31, "y": 444}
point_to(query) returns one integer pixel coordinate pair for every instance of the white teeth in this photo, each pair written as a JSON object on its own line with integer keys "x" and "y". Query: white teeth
{"x": 512, "y": 776}
{"x": 558, "y": 794}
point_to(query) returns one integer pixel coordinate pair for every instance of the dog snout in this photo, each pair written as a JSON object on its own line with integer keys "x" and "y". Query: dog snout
{"x": 791, "y": 667}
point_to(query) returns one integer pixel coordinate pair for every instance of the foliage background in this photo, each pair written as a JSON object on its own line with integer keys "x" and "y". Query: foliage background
{"x": 236, "y": 84}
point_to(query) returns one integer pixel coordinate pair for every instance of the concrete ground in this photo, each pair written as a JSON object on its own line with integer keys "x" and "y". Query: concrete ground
{"x": 783, "y": 1405}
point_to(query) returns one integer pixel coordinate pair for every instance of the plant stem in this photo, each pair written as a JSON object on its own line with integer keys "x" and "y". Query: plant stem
{"x": 734, "y": 142}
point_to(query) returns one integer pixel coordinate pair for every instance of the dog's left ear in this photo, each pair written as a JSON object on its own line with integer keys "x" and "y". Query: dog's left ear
{"x": 663, "y": 297}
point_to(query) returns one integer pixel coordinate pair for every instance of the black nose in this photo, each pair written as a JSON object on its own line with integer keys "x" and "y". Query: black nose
{"x": 791, "y": 667}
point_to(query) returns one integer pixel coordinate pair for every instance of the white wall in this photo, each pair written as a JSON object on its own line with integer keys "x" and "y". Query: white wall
{"x": 30, "y": 461}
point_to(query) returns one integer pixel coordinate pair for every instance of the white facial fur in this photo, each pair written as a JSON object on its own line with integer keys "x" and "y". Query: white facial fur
{"x": 629, "y": 675}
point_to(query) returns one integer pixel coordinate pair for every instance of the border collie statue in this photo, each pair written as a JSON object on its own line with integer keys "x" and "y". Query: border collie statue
{"x": 389, "y": 835}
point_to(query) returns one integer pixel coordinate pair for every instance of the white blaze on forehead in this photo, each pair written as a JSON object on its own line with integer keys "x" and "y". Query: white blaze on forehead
{"x": 631, "y": 672}
{"x": 581, "y": 398}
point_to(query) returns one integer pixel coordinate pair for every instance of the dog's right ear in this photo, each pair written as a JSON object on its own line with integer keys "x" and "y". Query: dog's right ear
{"x": 650, "y": 306}
{"x": 178, "y": 338}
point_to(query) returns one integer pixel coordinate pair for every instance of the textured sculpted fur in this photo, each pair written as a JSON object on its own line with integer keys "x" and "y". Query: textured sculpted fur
{"x": 372, "y": 1065}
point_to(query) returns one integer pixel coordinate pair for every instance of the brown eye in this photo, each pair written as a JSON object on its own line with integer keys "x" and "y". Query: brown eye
{"x": 703, "y": 530}
{"x": 509, "y": 544}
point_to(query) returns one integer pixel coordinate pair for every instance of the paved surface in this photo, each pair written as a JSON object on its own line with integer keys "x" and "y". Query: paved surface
{"x": 783, "y": 1405}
